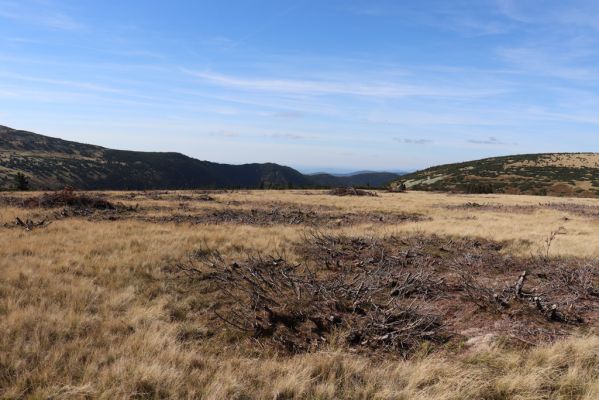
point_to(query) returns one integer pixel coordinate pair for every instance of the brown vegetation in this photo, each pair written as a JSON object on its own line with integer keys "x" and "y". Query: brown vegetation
{"x": 291, "y": 216}
{"x": 435, "y": 307}
{"x": 67, "y": 198}
{"x": 350, "y": 191}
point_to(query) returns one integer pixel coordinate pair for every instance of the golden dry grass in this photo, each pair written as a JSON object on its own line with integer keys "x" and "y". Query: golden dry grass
{"x": 581, "y": 160}
{"x": 527, "y": 231}
{"x": 87, "y": 309}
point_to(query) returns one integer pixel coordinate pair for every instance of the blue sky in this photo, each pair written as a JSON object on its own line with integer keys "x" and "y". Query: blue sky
{"x": 315, "y": 84}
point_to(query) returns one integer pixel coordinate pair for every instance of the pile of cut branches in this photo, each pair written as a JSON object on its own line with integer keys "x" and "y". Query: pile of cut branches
{"x": 395, "y": 293}
{"x": 561, "y": 293}
{"x": 30, "y": 224}
{"x": 495, "y": 207}
{"x": 583, "y": 210}
{"x": 68, "y": 203}
{"x": 68, "y": 198}
{"x": 300, "y": 309}
{"x": 350, "y": 191}
{"x": 287, "y": 216}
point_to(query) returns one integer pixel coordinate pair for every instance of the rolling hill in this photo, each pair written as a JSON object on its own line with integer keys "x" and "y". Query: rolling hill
{"x": 559, "y": 174}
{"x": 364, "y": 179}
{"x": 51, "y": 163}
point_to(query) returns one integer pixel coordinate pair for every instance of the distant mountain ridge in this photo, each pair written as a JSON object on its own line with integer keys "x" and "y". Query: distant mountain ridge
{"x": 374, "y": 179}
{"x": 51, "y": 163}
{"x": 354, "y": 173}
{"x": 558, "y": 174}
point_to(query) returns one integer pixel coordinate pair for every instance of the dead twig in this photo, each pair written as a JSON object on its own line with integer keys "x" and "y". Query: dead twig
{"x": 30, "y": 225}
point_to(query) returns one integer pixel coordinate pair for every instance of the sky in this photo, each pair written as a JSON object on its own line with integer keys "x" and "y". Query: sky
{"x": 332, "y": 85}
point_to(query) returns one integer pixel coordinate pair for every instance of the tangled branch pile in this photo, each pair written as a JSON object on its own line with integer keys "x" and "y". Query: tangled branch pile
{"x": 30, "y": 224}
{"x": 561, "y": 293}
{"x": 263, "y": 216}
{"x": 259, "y": 217}
{"x": 517, "y": 208}
{"x": 299, "y": 308}
{"x": 395, "y": 293}
{"x": 584, "y": 210}
{"x": 288, "y": 216}
{"x": 68, "y": 198}
{"x": 72, "y": 204}
{"x": 195, "y": 197}
{"x": 350, "y": 191}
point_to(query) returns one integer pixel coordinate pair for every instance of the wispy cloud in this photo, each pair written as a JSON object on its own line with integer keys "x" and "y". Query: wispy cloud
{"x": 513, "y": 10}
{"x": 550, "y": 61}
{"x": 351, "y": 87}
{"x": 39, "y": 14}
{"x": 573, "y": 13}
{"x": 462, "y": 17}
{"x": 288, "y": 114}
{"x": 492, "y": 141}
{"x": 413, "y": 140}
{"x": 221, "y": 133}
{"x": 290, "y": 136}
{"x": 88, "y": 86}
{"x": 276, "y": 135}
{"x": 557, "y": 40}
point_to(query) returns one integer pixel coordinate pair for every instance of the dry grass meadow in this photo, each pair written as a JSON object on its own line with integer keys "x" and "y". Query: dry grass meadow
{"x": 96, "y": 304}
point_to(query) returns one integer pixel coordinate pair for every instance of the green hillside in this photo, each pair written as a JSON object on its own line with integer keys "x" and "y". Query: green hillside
{"x": 559, "y": 174}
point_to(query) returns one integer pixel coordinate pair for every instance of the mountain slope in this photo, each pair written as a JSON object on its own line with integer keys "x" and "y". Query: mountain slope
{"x": 565, "y": 174}
{"x": 370, "y": 179}
{"x": 52, "y": 163}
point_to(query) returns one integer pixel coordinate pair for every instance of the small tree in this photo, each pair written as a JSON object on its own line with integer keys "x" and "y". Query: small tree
{"x": 21, "y": 182}
{"x": 398, "y": 187}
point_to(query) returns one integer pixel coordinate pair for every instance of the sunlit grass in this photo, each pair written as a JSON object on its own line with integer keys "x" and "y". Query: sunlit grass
{"x": 87, "y": 309}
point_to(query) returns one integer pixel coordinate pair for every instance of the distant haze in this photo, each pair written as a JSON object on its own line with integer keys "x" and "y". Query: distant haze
{"x": 342, "y": 171}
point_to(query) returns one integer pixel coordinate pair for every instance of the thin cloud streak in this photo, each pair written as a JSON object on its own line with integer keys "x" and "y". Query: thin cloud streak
{"x": 413, "y": 141}
{"x": 78, "y": 85}
{"x": 40, "y": 16}
{"x": 492, "y": 140}
{"x": 313, "y": 87}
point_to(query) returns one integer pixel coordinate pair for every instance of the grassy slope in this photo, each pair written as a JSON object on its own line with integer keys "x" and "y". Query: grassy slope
{"x": 89, "y": 311}
{"x": 570, "y": 174}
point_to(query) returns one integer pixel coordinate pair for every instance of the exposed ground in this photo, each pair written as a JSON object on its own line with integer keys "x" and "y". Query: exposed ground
{"x": 298, "y": 294}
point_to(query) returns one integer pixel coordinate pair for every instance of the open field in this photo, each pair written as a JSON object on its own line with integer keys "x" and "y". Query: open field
{"x": 139, "y": 297}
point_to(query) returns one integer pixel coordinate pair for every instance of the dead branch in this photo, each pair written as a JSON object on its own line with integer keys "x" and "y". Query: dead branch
{"x": 350, "y": 191}
{"x": 29, "y": 224}
{"x": 295, "y": 307}
{"x": 520, "y": 284}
